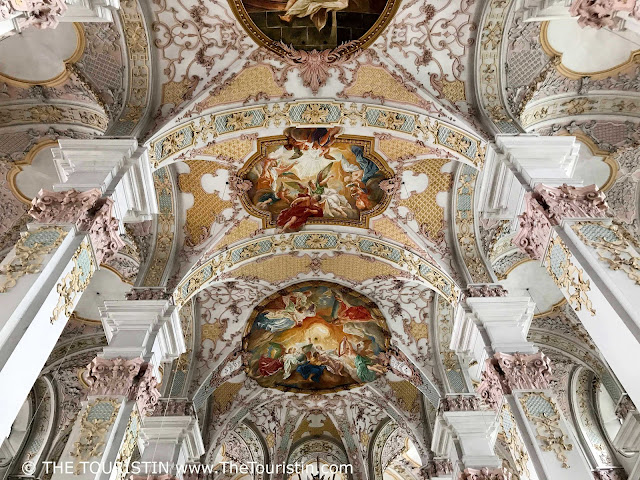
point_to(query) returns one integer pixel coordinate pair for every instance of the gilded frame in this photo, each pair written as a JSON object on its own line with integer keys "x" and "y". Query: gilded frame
{"x": 338, "y": 53}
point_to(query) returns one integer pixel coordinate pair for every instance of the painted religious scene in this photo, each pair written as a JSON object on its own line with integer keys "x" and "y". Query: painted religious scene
{"x": 312, "y": 24}
{"x": 313, "y": 175}
{"x": 316, "y": 336}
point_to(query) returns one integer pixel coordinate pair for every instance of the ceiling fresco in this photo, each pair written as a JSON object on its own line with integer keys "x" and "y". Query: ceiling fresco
{"x": 316, "y": 336}
{"x": 315, "y": 176}
{"x": 313, "y": 24}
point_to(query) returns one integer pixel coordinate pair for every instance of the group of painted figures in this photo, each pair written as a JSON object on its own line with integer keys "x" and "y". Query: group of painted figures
{"x": 312, "y": 175}
{"x": 317, "y": 339}
{"x": 310, "y": 361}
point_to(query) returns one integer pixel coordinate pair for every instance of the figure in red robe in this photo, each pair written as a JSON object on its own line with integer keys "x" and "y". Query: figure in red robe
{"x": 268, "y": 366}
{"x": 303, "y": 207}
{"x": 354, "y": 313}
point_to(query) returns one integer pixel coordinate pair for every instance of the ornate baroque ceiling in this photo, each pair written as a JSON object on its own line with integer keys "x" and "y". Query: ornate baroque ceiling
{"x": 317, "y": 179}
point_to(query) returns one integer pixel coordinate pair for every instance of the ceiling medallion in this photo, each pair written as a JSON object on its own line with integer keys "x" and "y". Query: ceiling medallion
{"x": 315, "y": 176}
{"x": 315, "y": 337}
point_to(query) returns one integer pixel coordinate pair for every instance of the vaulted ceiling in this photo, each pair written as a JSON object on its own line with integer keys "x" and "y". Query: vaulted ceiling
{"x": 357, "y": 164}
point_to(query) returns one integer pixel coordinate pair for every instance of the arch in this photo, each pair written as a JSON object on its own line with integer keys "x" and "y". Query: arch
{"x": 410, "y": 360}
{"x": 168, "y": 146}
{"x": 41, "y": 429}
{"x": 594, "y": 441}
{"x": 226, "y": 261}
{"x": 488, "y": 78}
{"x": 387, "y": 433}
{"x": 297, "y": 454}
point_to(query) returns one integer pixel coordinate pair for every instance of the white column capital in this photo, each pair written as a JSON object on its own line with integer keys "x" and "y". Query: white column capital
{"x": 506, "y": 321}
{"x": 117, "y": 166}
{"x": 91, "y": 163}
{"x": 540, "y": 159}
{"x": 179, "y": 433}
{"x": 142, "y": 328}
{"x": 476, "y": 431}
{"x": 515, "y": 163}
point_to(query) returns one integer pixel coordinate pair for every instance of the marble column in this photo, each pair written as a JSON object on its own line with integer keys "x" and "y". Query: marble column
{"x": 104, "y": 183}
{"x": 142, "y": 334}
{"x": 41, "y": 281}
{"x": 521, "y": 381}
{"x": 489, "y": 320}
{"x": 628, "y": 438}
{"x": 515, "y": 384}
{"x": 595, "y": 263}
{"x": 593, "y": 260}
{"x": 466, "y": 431}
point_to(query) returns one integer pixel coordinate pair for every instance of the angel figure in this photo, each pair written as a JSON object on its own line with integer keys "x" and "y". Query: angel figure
{"x": 272, "y": 168}
{"x": 362, "y": 175}
{"x": 303, "y": 207}
{"x": 297, "y": 307}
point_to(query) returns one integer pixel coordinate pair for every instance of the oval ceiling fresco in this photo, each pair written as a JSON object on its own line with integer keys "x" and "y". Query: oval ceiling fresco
{"x": 314, "y": 175}
{"x": 287, "y": 26}
{"x": 316, "y": 336}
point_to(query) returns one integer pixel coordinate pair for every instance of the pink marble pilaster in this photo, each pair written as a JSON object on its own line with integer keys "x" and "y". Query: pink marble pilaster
{"x": 505, "y": 373}
{"x": 546, "y": 206}
{"x": 131, "y": 378}
{"x": 88, "y": 211}
{"x": 484, "y": 474}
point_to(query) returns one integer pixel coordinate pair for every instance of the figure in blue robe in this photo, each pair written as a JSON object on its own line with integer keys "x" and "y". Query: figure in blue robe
{"x": 275, "y": 323}
{"x": 309, "y": 370}
{"x": 368, "y": 167}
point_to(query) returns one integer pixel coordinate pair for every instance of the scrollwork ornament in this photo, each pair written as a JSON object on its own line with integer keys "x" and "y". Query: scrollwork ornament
{"x": 567, "y": 201}
{"x": 465, "y": 232}
{"x": 614, "y": 245}
{"x": 128, "y": 445}
{"x": 610, "y": 474}
{"x": 148, "y": 294}
{"x": 625, "y": 405}
{"x": 177, "y": 407}
{"x": 485, "y": 474}
{"x": 436, "y": 468}
{"x": 513, "y": 441}
{"x": 28, "y": 254}
{"x": 542, "y": 411}
{"x": 459, "y": 403}
{"x": 548, "y": 206}
{"x": 95, "y": 422}
{"x": 131, "y": 378}
{"x": 505, "y": 373}
{"x": 534, "y": 230}
{"x": 75, "y": 282}
{"x": 486, "y": 291}
{"x": 602, "y": 13}
{"x": 569, "y": 278}
{"x": 87, "y": 211}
